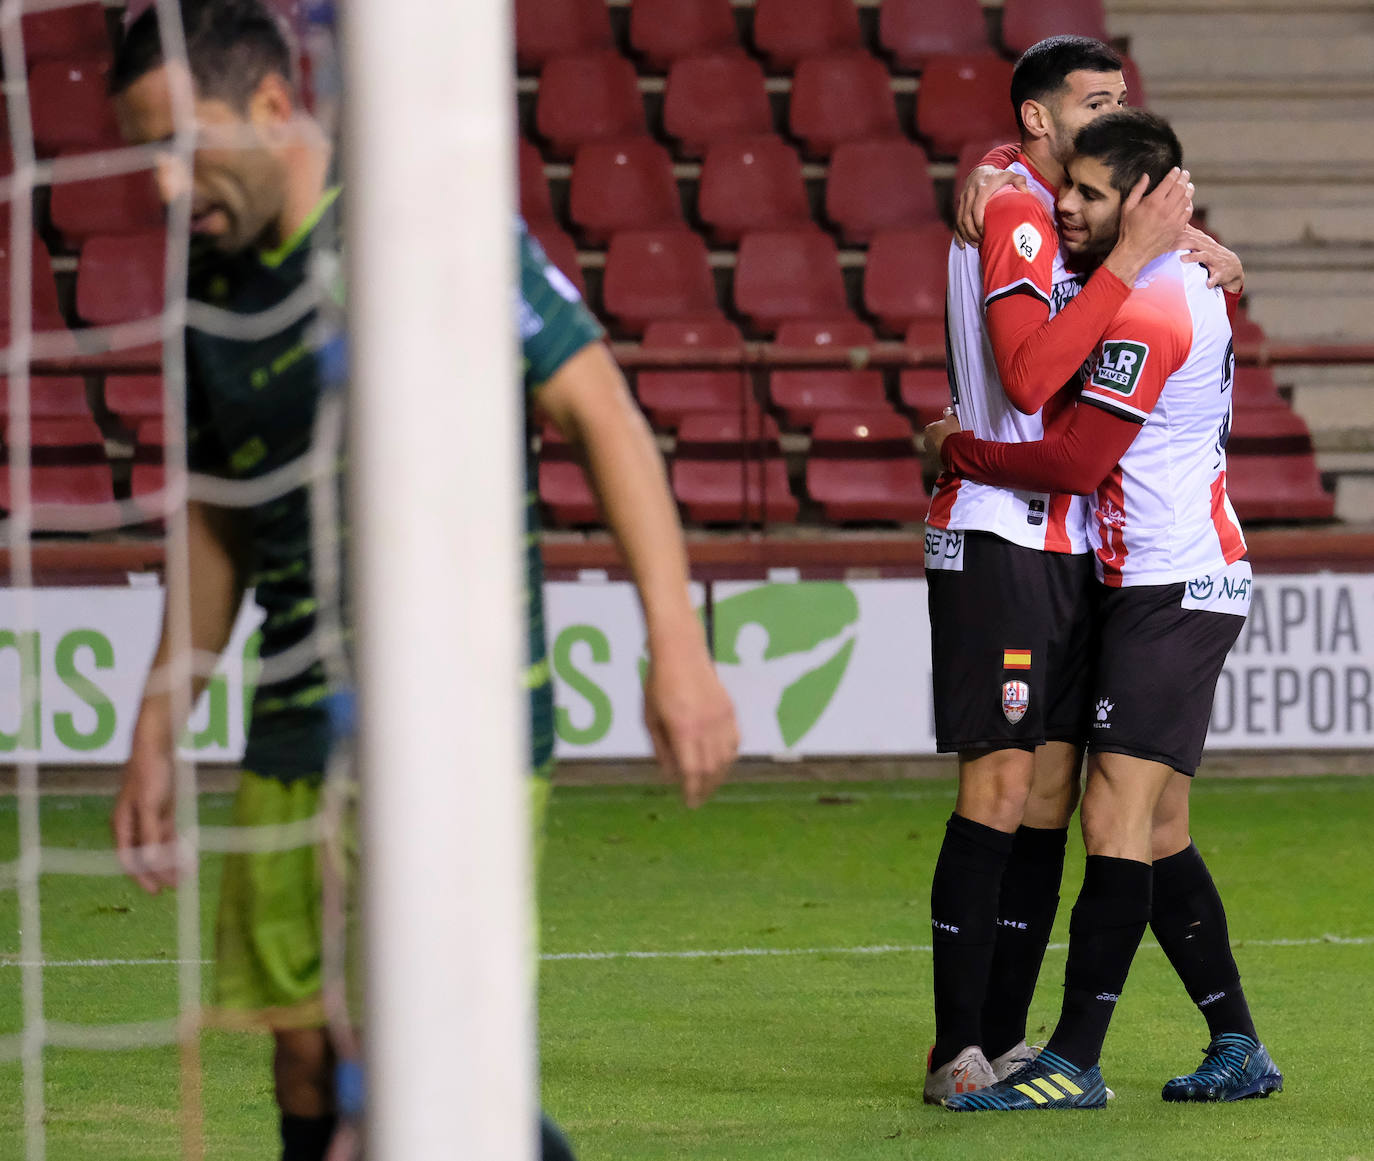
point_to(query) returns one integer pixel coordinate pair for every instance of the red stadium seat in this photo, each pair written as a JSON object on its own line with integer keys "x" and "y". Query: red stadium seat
{"x": 711, "y": 98}
{"x": 802, "y": 396}
{"x": 135, "y": 397}
{"x": 971, "y": 155}
{"x": 77, "y": 30}
{"x": 567, "y": 497}
{"x": 706, "y": 334}
{"x": 561, "y": 250}
{"x": 862, "y": 466}
{"x": 925, "y": 390}
{"x": 1277, "y": 487}
{"x": 729, "y": 491}
{"x": 623, "y": 185}
{"x": 1245, "y": 329}
{"x": 69, "y": 465}
{"x": 127, "y": 203}
{"x": 549, "y": 28}
{"x": 926, "y": 334}
{"x": 45, "y": 315}
{"x": 1135, "y": 84}
{"x": 1268, "y": 431}
{"x": 149, "y": 473}
{"x": 733, "y": 432}
{"x": 841, "y": 97}
{"x": 658, "y": 274}
{"x": 906, "y": 275}
{"x": 751, "y": 183}
{"x": 878, "y": 185}
{"x": 1025, "y": 22}
{"x": 119, "y": 279}
{"x": 913, "y": 31}
{"x": 785, "y": 274}
{"x": 964, "y": 98}
{"x": 590, "y": 97}
{"x": 1254, "y": 389}
{"x": 70, "y": 107}
{"x": 536, "y": 206}
{"x": 668, "y": 394}
{"x": 822, "y": 332}
{"x": 785, "y": 31}
{"x": 51, "y": 397}
{"x": 664, "y": 31}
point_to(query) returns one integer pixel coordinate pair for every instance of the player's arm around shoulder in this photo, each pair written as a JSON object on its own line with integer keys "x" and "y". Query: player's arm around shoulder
{"x": 687, "y": 711}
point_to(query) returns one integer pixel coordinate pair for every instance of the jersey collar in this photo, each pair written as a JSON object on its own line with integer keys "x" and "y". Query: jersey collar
{"x": 1049, "y": 187}
{"x": 276, "y": 256}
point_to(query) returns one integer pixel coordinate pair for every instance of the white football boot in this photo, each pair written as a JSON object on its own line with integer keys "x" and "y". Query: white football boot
{"x": 967, "y": 1072}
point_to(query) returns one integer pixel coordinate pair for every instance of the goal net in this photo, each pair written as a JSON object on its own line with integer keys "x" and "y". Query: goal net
{"x": 95, "y": 481}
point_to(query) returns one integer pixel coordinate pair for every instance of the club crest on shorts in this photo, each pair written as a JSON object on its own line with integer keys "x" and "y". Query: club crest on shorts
{"x": 1015, "y": 699}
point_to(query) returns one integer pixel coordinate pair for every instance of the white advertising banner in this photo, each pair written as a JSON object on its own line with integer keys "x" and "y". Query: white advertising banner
{"x": 815, "y": 668}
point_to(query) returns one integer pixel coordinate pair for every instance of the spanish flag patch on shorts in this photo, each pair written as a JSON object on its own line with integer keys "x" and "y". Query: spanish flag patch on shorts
{"x": 1016, "y": 659}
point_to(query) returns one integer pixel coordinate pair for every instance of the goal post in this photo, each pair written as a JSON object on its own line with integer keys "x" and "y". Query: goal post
{"x": 435, "y": 491}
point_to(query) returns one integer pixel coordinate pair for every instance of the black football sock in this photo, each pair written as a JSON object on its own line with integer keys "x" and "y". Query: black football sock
{"x": 553, "y": 1146}
{"x": 1025, "y": 915}
{"x": 1108, "y": 922}
{"x": 963, "y": 918}
{"x": 305, "y": 1138}
{"x": 1189, "y": 921}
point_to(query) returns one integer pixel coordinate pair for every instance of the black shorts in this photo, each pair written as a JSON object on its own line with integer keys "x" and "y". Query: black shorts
{"x": 1157, "y": 672}
{"x": 1011, "y": 642}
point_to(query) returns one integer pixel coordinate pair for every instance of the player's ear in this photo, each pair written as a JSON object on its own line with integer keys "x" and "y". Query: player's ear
{"x": 272, "y": 102}
{"x": 1035, "y": 117}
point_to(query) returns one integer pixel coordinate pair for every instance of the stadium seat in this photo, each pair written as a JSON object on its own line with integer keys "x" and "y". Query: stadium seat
{"x": 878, "y": 185}
{"x": 925, "y": 390}
{"x": 1254, "y": 389}
{"x": 46, "y": 315}
{"x": 135, "y": 398}
{"x": 561, "y": 250}
{"x": 804, "y": 395}
{"x": 971, "y": 155}
{"x": 712, "y": 98}
{"x": 69, "y": 105}
{"x": 669, "y": 397}
{"x": 785, "y": 31}
{"x": 549, "y": 28}
{"x": 658, "y": 274}
{"x": 623, "y": 185}
{"x": 733, "y": 490}
{"x": 706, "y": 334}
{"x": 1025, "y": 22}
{"x": 1245, "y": 330}
{"x": 906, "y": 274}
{"x": 126, "y": 203}
{"x": 786, "y": 274}
{"x": 862, "y": 466}
{"x": 1277, "y": 487}
{"x": 51, "y": 397}
{"x": 841, "y": 97}
{"x": 1135, "y": 84}
{"x": 926, "y": 334}
{"x": 149, "y": 473}
{"x": 589, "y": 97}
{"x": 829, "y": 333}
{"x": 536, "y": 206}
{"x": 1268, "y": 431}
{"x": 568, "y": 499}
{"x": 68, "y": 464}
{"x": 119, "y": 278}
{"x": 664, "y": 31}
{"x": 77, "y": 30}
{"x": 913, "y": 31}
{"x": 732, "y": 432}
{"x": 751, "y": 183}
{"x": 963, "y": 98}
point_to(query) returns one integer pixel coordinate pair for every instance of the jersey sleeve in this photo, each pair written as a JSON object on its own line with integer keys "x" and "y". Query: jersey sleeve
{"x": 554, "y": 322}
{"x": 1135, "y": 358}
{"x": 1018, "y": 247}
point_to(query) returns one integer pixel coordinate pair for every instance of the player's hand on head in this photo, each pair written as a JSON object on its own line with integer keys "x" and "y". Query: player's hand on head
{"x": 1223, "y": 267}
{"x": 143, "y": 820}
{"x": 1153, "y": 223}
{"x": 982, "y": 182}
{"x": 936, "y": 433}
{"x": 690, "y": 717}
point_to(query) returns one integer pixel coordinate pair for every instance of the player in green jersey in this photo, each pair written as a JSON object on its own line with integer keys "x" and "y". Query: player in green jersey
{"x": 263, "y": 230}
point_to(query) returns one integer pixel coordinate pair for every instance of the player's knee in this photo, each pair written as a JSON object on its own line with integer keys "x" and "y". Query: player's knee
{"x": 993, "y": 788}
{"x": 303, "y": 1071}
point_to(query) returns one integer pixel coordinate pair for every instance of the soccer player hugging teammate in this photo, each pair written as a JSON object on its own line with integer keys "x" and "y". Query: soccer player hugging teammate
{"x": 1009, "y": 572}
{"x": 1146, "y": 443}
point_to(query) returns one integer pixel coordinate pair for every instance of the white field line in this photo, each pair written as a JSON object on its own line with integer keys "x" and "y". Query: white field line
{"x": 723, "y": 952}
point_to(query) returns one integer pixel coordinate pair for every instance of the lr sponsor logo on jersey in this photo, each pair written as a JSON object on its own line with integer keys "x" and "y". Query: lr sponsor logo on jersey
{"x": 1027, "y": 241}
{"x": 1118, "y": 367}
{"x": 944, "y": 550}
{"x": 1015, "y": 700}
{"x": 1104, "y": 711}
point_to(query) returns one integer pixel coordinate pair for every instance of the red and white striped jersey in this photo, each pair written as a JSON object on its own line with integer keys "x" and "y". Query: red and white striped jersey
{"x": 1019, "y": 254}
{"x": 1166, "y": 362}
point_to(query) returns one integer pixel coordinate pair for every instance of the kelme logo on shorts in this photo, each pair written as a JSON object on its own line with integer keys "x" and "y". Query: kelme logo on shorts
{"x": 1118, "y": 367}
{"x": 789, "y": 645}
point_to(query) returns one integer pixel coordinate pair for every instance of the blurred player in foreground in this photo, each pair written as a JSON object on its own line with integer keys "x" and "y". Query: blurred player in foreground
{"x": 1147, "y": 441}
{"x": 263, "y": 229}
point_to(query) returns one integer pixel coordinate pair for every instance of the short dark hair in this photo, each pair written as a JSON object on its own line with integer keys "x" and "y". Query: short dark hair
{"x": 1132, "y": 144}
{"x": 1044, "y": 68}
{"x": 231, "y": 45}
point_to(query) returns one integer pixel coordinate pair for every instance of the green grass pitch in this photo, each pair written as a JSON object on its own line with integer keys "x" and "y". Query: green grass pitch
{"x": 717, "y": 1048}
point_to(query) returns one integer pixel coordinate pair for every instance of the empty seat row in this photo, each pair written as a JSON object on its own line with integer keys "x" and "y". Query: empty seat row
{"x": 785, "y": 31}
{"x": 837, "y": 97}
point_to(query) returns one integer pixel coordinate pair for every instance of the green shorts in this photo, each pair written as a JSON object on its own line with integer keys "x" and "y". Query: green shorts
{"x": 269, "y": 933}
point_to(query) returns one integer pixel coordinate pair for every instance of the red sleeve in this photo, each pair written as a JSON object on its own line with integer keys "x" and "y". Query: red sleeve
{"x": 1001, "y": 157}
{"x": 1076, "y": 460}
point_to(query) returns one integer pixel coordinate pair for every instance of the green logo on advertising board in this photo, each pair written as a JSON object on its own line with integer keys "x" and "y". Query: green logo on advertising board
{"x": 792, "y": 644}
